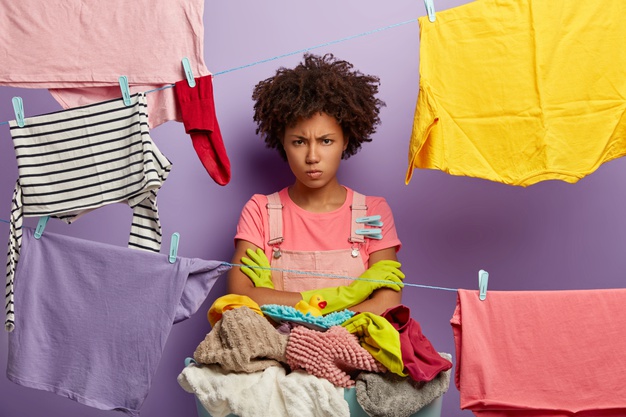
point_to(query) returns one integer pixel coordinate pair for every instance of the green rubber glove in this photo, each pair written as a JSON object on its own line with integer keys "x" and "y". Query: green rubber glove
{"x": 260, "y": 277}
{"x": 383, "y": 274}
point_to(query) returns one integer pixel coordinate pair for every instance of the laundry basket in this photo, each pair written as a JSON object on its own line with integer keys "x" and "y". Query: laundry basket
{"x": 431, "y": 410}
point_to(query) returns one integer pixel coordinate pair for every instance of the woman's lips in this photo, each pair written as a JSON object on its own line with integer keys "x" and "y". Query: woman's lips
{"x": 314, "y": 174}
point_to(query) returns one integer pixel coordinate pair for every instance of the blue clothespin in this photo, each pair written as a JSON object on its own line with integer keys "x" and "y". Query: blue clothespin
{"x": 368, "y": 219}
{"x": 18, "y": 107}
{"x": 188, "y": 73}
{"x": 371, "y": 220}
{"x": 174, "y": 247}
{"x": 41, "y": 225}
{"x": 483, "y": 280}
{"x": 370, "y": 233}
{"x": 125, "y": 90}
{"x": 430, "y": 10}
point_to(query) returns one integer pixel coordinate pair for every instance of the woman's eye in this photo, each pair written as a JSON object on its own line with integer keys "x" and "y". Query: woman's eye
{"x": 327, "y": 141}
{"x": 297, "y": 142}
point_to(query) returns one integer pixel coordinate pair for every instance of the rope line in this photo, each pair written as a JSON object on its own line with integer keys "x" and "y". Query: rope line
{"x": 320, "y": 274}
{"x": 336, "y": 276}
{"x": 370, "y": 32}
{"x": 263, "y": 61}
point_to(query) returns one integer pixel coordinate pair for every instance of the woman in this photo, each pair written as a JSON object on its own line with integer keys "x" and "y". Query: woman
{"x": 315, "y": 115}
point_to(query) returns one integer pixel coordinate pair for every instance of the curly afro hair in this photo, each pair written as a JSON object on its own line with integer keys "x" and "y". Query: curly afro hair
{"x": 320, "y": 84}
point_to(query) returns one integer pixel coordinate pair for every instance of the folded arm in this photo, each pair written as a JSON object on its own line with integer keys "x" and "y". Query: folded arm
{"x": 376, "y": 301}
{"x": 240, "y": 283}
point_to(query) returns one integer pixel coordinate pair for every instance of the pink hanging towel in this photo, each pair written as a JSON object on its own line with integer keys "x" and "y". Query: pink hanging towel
{"x": 78, "y": 49}
{"x": 541, "y": 353}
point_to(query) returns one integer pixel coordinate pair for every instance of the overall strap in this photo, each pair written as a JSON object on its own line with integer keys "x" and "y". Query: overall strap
{"x": 359, "y": 209}
{"x": 275, "y": 217}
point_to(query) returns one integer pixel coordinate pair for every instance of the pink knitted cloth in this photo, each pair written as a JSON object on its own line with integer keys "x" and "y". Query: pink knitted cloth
{"x": 333, "y": 354}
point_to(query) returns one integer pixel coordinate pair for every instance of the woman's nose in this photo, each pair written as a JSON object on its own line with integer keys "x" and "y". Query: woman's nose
{"x": 312, "y": 155}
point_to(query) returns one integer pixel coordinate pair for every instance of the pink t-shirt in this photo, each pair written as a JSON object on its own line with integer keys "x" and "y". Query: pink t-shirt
{"x": 307, "y": 231}
{"x": 78, "y": 49}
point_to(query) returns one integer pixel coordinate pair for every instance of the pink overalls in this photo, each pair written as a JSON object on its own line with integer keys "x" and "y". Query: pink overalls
{"x": 300, "y": 266}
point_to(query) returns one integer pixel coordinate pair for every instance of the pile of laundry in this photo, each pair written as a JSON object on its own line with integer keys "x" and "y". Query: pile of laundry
{"x": 249, "y": 362}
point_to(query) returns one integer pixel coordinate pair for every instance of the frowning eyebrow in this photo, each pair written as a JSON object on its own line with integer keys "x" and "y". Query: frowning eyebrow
{"x": 325, "y": 136}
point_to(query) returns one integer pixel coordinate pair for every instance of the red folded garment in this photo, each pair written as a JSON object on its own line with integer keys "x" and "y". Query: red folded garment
{"x": 198, "y": 113}
{"x": 421, "y": 360}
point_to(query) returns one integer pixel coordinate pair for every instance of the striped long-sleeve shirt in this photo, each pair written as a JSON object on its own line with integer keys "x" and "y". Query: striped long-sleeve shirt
{"x": 74, "y": 161}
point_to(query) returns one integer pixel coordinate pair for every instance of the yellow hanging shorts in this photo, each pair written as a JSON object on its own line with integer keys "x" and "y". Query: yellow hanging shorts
{"x": 521, "y": 91}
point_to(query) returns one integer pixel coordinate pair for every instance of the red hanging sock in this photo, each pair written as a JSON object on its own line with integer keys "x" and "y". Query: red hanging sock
{"x": 198, "y": 113}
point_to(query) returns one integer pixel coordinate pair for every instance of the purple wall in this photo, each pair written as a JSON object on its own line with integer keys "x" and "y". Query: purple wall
{"x": 551, "y": 235}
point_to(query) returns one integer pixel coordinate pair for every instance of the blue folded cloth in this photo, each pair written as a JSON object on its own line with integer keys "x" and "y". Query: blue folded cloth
{"x": 281, "y": 313}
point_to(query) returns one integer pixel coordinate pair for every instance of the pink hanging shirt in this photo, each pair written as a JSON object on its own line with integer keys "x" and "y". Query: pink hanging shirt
{"x": 78, "y": 49}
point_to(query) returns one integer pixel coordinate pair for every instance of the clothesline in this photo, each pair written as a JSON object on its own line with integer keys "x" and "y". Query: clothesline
{"x": 284, "y": 56}
{"x": 369, "y": 32}
{"x": 321, "y": 274}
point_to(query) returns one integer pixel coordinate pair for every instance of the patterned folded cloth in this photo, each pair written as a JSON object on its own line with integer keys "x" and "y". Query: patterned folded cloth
{"x": 242, "y": 341}
{"x": 390, "y": 395}
{"x": 271, "y": 392}
{"x": 281, "y": 313}
{"x": 333, "y": 354}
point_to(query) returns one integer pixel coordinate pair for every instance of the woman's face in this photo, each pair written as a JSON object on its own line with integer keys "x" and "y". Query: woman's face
{"x": 314, "y": 147}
